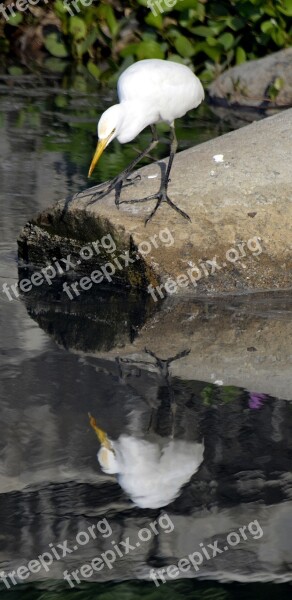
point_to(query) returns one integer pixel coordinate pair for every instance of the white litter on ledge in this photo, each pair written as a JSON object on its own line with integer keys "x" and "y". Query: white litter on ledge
{"x": 218, "y": 157}
{"x": 152, "y": 176}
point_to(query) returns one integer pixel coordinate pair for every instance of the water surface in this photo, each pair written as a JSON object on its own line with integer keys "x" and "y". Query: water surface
{"x": 226, "y": 445}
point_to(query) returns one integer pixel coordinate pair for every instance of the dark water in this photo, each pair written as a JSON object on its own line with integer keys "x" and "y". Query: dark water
{"x": 196, "y": 438}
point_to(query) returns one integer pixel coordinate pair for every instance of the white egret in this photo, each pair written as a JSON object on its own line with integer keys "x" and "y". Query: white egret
{"x": 151, "y": 472}
{"x": 150, "y": 91}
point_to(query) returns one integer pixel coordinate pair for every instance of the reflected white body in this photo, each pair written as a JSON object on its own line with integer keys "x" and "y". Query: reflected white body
{"x": 152, "y": 474}
{"x": 150, "y": 91}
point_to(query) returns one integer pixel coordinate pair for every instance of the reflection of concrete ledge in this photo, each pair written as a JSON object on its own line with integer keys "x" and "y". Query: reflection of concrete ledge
{"x": 246, "y": 195}
{"x": 242, "y": 342}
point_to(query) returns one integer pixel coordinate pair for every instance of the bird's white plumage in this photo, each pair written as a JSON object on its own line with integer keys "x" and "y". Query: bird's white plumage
{"x": 150, "y": 91}
{"x": 151, "y": 473}
{"x": 172, "y": 88}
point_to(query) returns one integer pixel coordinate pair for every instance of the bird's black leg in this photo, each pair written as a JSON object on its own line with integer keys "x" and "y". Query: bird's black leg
{"x": 161, "y": 195}
{"x": 122, "y": 180}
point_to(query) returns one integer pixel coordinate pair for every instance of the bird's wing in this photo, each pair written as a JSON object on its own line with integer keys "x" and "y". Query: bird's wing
{"x": 153, "y": 478}
{"x": 171, "y": 87}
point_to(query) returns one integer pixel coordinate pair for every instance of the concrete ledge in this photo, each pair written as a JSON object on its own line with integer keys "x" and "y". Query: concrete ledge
{"x": 243, "y": 195}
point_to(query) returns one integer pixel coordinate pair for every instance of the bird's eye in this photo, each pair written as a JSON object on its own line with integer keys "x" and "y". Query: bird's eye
{"x": 113, "y": 131}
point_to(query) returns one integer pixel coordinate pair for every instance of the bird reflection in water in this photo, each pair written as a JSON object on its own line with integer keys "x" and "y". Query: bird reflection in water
{"x": 152, "y": 469}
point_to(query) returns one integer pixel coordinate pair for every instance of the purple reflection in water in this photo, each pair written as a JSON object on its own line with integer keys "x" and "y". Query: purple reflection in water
{"x": 256, "y": 400}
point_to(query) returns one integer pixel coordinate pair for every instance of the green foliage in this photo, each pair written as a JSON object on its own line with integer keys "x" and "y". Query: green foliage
{"x": 212, "y": 395}
{"x": 55, "y": 46}
{"x": 211, "y": 35}
{"x": 14, "y": 21}
{"x": 275, "y": 88}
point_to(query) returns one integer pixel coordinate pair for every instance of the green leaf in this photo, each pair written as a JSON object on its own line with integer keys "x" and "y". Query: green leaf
{"x": 240, "y": 55}
{"x": 77, "y": 28}
{"x": 130, "y": 49}
{"x": 89, "y": 41}
{"x": 202, "y": 31}
{"x": 235, "y": 23}
{"x": 61, "y": 101}
{"x": 112, "y": 21}
{"x": 149, "y": 49}
{"x": 227, "y": 40}
{"x": 279, "y": 37}
{"x": 285, "y": 7}
{"x": 213, "y": 52}
{"x": 181, "y": 5}
{"x": 153, "y": 21}
{"x": 105, "y": 12}
{"x": 59, "y": 7}
{"x": 93, "y": 69}
{"x": 176, "y": 58}
{"x": 267, "y": 26}
{"x": 16, "y": 20}
{"x": 212, "y": 41}
{"x": 79, "y": 83}
{"x": 184, "y": 47}
{"x": 279, "y": 83}
{"x": 56, "y": 65}
{"x": 55, "y": 46}
{"x": 217, "y": 27}
{"x": 274, "y": 89}
{"x": 14, "y": 70}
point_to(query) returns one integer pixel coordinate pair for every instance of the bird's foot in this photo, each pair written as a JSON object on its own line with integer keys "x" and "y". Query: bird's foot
{"x": 161, "y": 196}
{"x": 100, "y": 191}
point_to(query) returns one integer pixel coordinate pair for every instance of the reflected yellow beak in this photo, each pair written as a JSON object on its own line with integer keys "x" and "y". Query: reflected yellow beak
{"x": 100, "y": 433}
{"x": 98, "y": 152}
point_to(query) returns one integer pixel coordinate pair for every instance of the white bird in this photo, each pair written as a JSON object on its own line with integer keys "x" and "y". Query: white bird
{"x": 150, "y": 91}
{"x": 150, "y": 472}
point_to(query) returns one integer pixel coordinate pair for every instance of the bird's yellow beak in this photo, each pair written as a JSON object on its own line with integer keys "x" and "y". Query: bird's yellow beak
{"x": 100, "y": 433}
{"x": 98, "y": 152}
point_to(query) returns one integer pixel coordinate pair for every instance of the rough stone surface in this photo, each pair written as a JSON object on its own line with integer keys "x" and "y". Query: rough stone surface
{"x": 252, "y": 83}
{"x": 245, "y": 196}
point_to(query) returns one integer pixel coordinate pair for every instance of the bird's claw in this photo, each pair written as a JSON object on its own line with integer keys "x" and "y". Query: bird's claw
{"x": 132, "y": 180}
{"x": 161, "y": 196}
{"x": 117, "y": 184}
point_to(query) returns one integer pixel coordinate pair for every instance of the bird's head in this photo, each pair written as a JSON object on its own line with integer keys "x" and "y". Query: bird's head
{"x": 107, "y": 130}
{"x": 106, "y": 455}
{"x": 108, "y": 461}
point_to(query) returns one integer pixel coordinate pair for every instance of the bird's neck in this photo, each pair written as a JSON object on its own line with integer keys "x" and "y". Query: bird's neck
{"x": 135, "y": 117}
